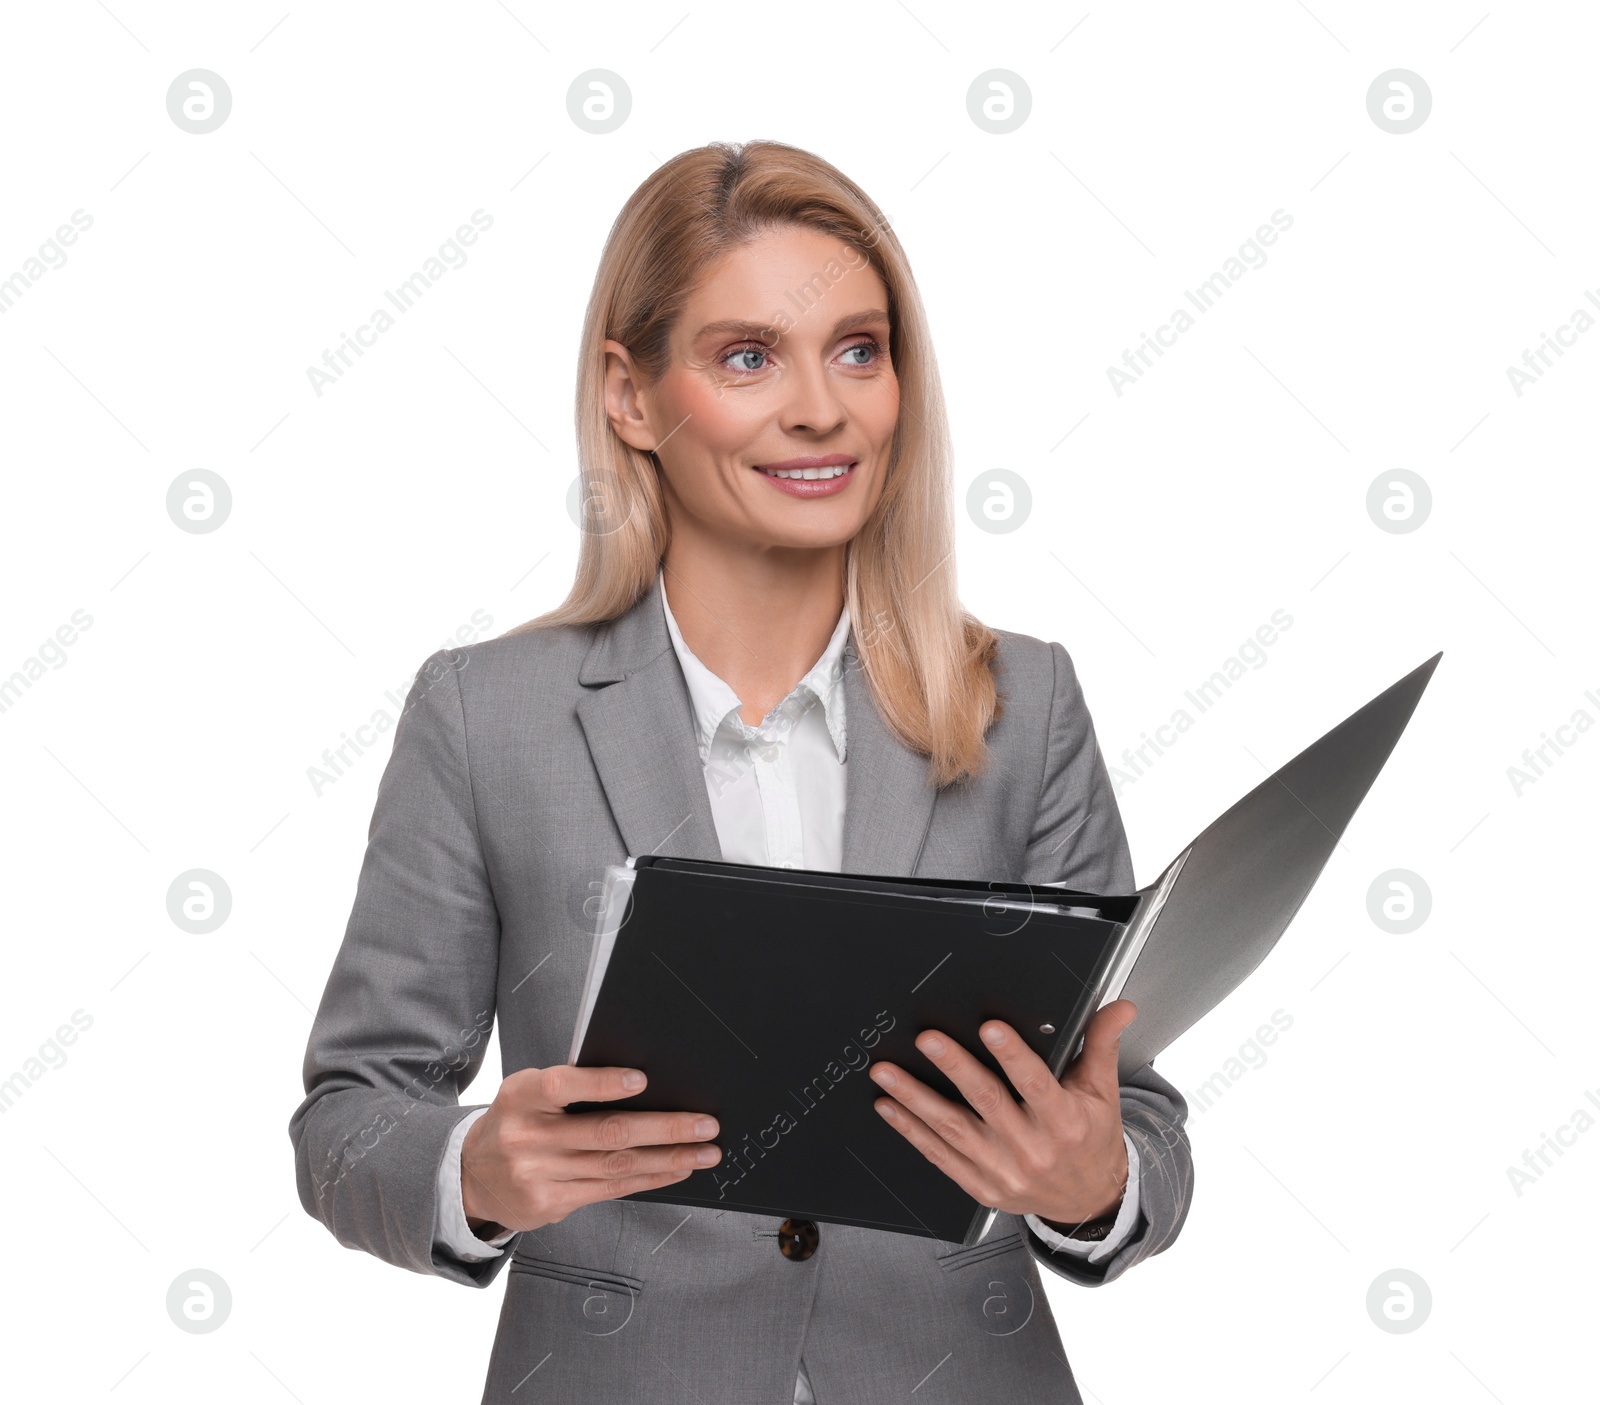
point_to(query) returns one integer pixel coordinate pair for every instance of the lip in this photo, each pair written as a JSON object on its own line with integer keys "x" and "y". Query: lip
{"x": 811, "y": 461}
{"x": 812, "y": 487}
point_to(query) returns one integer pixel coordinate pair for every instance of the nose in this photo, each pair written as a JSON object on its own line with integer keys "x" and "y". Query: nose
{"x": 812, "y": 404}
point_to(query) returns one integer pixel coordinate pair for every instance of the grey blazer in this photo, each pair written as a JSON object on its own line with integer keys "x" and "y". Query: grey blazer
{"x": 521, "y": 766}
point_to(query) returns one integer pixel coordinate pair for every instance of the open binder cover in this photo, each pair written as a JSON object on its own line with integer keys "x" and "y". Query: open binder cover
{"x": 761, "y": 995}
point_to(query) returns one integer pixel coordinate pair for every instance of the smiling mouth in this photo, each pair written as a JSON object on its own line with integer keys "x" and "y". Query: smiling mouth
{"x": 811, "y": 468}
{"x": 837, "y": 470}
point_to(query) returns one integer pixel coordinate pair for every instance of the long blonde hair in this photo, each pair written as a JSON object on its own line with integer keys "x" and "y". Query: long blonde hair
{"x": 927, "y": 661}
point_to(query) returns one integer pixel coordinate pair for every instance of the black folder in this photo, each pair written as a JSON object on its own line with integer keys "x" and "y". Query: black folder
{"x": 761, "y": 995}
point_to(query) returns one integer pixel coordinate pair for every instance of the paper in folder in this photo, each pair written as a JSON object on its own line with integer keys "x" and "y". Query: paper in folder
{"x": 761, "y": 995}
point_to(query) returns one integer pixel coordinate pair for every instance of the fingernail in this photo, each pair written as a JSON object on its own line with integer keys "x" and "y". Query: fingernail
{"x": 883, "y": 1077}
{"x": 705, "y": 1127}
{"x": 932, "y": 1044}
{"x": 993, "y": 1037}
{"x": 707, "y": 1156}
{"x": 633, "y": 1079}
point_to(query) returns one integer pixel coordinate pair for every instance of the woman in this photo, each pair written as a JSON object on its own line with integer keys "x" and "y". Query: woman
{"x": 762, "y": 659}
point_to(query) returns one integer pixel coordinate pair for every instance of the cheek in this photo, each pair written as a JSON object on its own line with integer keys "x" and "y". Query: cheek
{"x": 723, "y": 420}
{"x": 882, "y": 409}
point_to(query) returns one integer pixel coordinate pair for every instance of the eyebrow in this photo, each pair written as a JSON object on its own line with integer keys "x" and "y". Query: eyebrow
{"x": 754, "y": 330}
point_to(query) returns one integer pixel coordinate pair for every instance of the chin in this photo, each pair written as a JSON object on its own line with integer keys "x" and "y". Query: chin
{"x": 806, "y": 528}
{"x": 808, "y": 541}
{"x": 815, "y": 525}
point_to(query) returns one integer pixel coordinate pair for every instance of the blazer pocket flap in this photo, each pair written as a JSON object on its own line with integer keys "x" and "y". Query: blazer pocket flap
{"x": 976, "y": 1253}
{"x": 600, "y": 1279}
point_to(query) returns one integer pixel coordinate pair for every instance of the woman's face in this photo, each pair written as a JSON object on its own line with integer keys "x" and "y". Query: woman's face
{"x": 773, "y": 419}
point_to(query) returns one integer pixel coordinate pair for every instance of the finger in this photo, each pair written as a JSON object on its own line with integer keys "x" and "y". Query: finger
{"x": 636, "y": 1161}
{"x": 1096, "y": 1066}
{"x": 613, "y": 1131}
{"x": 953, "y": 1163}
{"x": 1029, "y": 1074}
{"x": 554, "y": 1087}
{"x": 986, "y": 1094}
{"x": 573, "y": 1195}
{"x": 954, "y": 1124}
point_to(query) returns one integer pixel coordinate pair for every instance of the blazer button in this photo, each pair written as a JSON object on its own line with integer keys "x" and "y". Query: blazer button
{"x": 797, "y": 1239}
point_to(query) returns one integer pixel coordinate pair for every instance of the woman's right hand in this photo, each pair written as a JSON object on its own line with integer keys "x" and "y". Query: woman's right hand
{"x": 529, "y": 1162}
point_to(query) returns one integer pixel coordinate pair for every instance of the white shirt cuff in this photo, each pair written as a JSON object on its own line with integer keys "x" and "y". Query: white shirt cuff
{"x": 452, "y": 1234}
{"x": 1096, "y": 1251}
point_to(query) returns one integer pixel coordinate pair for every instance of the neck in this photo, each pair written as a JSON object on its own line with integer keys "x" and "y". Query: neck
{"x": 758, "y": 618}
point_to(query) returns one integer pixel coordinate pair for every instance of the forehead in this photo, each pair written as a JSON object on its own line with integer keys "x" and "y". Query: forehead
{"x": 775, "y": 278}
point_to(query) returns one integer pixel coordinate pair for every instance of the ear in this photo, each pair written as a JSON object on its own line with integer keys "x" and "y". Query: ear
{"x": 626, "y": 406}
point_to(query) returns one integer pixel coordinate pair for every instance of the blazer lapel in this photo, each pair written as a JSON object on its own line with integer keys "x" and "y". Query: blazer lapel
{"x": 636, "y": 718}
{"x": 888, "y": 794}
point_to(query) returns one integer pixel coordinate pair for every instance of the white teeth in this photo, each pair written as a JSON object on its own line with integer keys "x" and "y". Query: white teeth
{"x": 835, "y": 471}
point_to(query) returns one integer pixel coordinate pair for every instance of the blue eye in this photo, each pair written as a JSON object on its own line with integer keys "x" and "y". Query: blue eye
{"x": 763, "y": 353}
{"x": 746, "y": 351}
{"x": 869, "y": 345}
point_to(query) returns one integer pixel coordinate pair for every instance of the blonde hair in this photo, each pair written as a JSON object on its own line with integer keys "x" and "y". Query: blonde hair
{"x": 927, "y": 661}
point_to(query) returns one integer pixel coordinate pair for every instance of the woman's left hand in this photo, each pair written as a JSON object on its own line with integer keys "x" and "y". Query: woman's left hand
{"x": 1058, "y": 1154}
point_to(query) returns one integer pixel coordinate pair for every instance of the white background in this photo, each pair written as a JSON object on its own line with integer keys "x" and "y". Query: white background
{"x": 369, "y": 523}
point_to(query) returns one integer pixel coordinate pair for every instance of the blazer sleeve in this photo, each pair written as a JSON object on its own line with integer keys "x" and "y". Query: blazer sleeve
{"x": 409, "y": 1005}
{"x": 1078, "y": 840}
